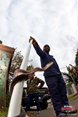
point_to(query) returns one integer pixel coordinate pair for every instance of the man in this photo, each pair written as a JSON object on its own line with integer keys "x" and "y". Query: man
{"x": 33, "y": 88}
{"x": 53, "y": 78}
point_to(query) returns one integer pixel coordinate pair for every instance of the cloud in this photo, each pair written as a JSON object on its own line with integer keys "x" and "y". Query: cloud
{"x": 53, "y": 22}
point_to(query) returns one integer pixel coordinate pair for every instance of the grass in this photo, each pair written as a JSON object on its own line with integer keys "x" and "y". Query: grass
{"x": 3, "y": 113}
{"x": 73, "y": 97}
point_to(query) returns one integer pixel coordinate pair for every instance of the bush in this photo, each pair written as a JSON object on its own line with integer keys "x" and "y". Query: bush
{"x": 8, "y": 96}
{"x": 69, "y": 85}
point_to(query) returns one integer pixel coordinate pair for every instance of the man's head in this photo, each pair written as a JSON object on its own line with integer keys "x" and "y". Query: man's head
{"x": 46, "y": 48}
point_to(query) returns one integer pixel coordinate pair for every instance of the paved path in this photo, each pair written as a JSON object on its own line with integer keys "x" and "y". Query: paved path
{"x": 49, "y": 112}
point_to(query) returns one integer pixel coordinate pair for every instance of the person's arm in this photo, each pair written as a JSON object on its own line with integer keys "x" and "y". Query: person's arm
{"x": 37, "y": 47}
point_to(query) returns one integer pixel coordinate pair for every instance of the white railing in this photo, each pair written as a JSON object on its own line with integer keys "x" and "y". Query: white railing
{"x": 16, "y": 98}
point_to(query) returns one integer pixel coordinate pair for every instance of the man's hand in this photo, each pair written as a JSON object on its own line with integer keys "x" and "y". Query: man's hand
{"x": 31, "y": 38}
{"x": 34, "y": 42}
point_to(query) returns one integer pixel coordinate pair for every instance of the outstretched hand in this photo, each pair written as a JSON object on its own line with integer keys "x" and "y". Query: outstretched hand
{"x": 34, "y": 42}
{"x": 31, "y": 38}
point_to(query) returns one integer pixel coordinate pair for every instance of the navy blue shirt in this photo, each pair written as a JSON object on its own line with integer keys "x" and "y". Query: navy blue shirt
{"x": 46, "y": 58}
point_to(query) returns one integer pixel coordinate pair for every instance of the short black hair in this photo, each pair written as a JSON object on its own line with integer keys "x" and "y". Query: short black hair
{"x": 46, "y": 48}
{"x": 46, "y": 45}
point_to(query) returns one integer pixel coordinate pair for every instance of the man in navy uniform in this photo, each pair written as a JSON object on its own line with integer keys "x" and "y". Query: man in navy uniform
{"x": 53, "y": 78}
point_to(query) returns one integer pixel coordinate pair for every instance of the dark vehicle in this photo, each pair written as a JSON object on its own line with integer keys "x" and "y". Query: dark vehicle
{"x": 44, "y": 96}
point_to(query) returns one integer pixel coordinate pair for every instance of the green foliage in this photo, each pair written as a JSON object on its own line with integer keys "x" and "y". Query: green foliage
{"x": 69, "y": 84}
{"x": 3, "y": 113}
{"x": 30, "y": 67}
{"x": 8, "y": 96}
{"x": 73, "y": 72}
{"x": 16, "y": 61}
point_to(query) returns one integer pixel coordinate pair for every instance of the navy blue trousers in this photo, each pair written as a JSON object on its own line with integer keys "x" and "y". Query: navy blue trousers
{"x": 57, "y": 89}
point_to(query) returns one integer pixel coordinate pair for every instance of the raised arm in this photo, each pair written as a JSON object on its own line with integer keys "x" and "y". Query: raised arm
{"x": 36, "y": 46}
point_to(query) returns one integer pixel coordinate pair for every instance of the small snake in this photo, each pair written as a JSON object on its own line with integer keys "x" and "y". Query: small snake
{"x": 22, "y": 75}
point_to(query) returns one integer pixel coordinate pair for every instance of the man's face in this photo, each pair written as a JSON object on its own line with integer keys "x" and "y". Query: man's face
{"x": 46, "y": 48}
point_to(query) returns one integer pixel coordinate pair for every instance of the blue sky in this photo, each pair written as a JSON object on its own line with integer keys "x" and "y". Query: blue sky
{"x": 49, "y": 21}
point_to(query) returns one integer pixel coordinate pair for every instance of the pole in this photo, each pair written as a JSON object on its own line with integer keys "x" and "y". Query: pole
{"x": 15, "y": 102}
